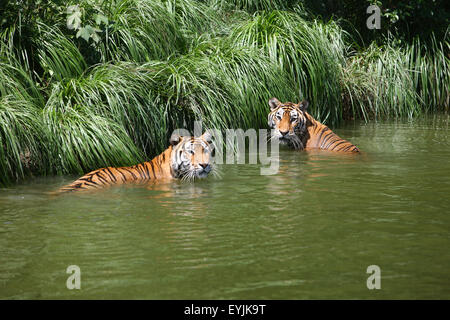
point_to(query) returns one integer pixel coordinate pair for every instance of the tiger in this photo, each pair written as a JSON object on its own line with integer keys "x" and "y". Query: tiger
{"x": 186, "y": 158}
{"x": 296, "y": 128}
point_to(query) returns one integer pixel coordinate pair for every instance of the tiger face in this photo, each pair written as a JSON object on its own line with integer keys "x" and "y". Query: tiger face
{"x": 191, "y": 156}
{"x": 288, "y": 121}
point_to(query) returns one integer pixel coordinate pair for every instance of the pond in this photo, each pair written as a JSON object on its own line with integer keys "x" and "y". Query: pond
{"x": 308, "y": 232}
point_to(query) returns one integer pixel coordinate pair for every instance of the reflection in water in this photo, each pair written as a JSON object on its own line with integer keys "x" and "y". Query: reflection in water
{"x": 309, "y": 231}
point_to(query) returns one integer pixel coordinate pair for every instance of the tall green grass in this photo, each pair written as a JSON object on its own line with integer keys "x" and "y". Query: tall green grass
{"x": 254, "y": 5}
{"x": 431, "y": 74}
{"x": 79, "y": 140}
{"x": 22, "y": 133}
{"x": 70, "y": 106}
{"x": 22, "y": 139}
{"x": 396, "y": 81}
{"x": 379, "y": 83}
{"x": 311, "y": 53}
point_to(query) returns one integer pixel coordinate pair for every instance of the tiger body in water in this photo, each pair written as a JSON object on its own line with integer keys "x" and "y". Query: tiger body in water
{"x": 297, "y": 128}
{"x": 185, "y": 158}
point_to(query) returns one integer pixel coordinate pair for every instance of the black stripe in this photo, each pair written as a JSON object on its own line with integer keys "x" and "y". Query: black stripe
{"x": 87, "y": 178}
{"x": 348, "y": 147}
{"x": 321, "y": 133}
{"x": 111, "y": 174}
{"x": 100, "y": 177}
{"x": 153, "y": 170}
{"x": 141, "y": 169}
{"x": 90, "y": 183}
{"x": 146, "y": 170}
{"x": 132, "y": 173}
{"x": 124, "y": 178}
{"x": 105, "y": 172}
{"x": 331, "y": 134}
{"x": 334, "y": 147}
{"x": 329, "y": 144}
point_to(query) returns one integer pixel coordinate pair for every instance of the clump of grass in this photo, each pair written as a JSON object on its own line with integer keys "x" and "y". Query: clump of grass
{"x": 249, "y": 79}
{"x": 194, "y": 18}
{"x": 389, "y": 80}
{"x": 312, "y": 53}
{"x": 378, "y": 83}
{"x": 254, "y": 5}
{"x": 80, "y": 140}
{"x": 431, "y": 74}
{"x": 142, "y": 31}
{"x": 16, "y": 75}
{"x": 59, "y": 57}
{"x": 22, "y": 139}
{"x": 22, "y": 135}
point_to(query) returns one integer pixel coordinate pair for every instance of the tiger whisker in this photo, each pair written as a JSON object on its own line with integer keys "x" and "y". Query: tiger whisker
{"x": 271, "y": 138}
{"x": 215, "y": 172}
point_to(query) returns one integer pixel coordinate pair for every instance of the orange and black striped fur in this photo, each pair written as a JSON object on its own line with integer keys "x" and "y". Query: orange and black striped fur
{"x": 186, "y": 158}
{"x": 297, "y": 128}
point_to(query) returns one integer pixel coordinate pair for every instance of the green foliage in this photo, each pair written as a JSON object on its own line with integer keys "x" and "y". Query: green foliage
{"x": 431, "y": 74}
{"x": 95, "y": 83}
{"x": 384, "y": 87}
{"x": 253, "y": 5}
{"x": 406, "y": 19}
{"x": 22, "y": 139}
{"x": 80, "y": 140}
{"x": 59, "y": 58}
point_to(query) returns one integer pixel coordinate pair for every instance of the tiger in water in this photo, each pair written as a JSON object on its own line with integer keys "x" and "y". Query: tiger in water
{"x": 297, "y": 128}
{"x": 186, "y": 158}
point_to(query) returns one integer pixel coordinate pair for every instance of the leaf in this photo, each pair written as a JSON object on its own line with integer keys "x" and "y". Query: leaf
{"x": 73, "y": 8}
{"x": 99, "y": 18}
{"x": 74, "y": 20}
{"x": 93, "y": 29}
{"x": 95, "y": 37}
{"x": 87, "y": 32}
{"x": 84, "y": 33}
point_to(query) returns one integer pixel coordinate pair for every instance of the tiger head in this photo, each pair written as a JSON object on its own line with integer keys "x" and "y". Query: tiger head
{"x": 288, "y": 121}
{"x": 191, "y": 156}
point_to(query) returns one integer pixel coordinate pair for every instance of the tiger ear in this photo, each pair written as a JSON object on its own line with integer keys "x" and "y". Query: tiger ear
{"x": 274, "y": 103}
{"x": 175, "y": 139}
{"x": 303, "y": 105}
{"x": 207, "y": 136}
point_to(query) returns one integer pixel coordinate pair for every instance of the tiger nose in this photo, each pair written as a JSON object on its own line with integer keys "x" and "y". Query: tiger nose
{"x": 205, "y": 166}
{"x": 283, "y": 133}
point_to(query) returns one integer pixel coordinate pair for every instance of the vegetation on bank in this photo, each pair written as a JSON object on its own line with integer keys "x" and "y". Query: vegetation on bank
{"x": 103, "y": 83}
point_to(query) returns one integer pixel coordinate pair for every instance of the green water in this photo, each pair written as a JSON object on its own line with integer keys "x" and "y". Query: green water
{"x": 309, "y": 232}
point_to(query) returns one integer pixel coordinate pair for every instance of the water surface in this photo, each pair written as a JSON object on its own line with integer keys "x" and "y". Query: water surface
{"x": 309, "y": 232}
